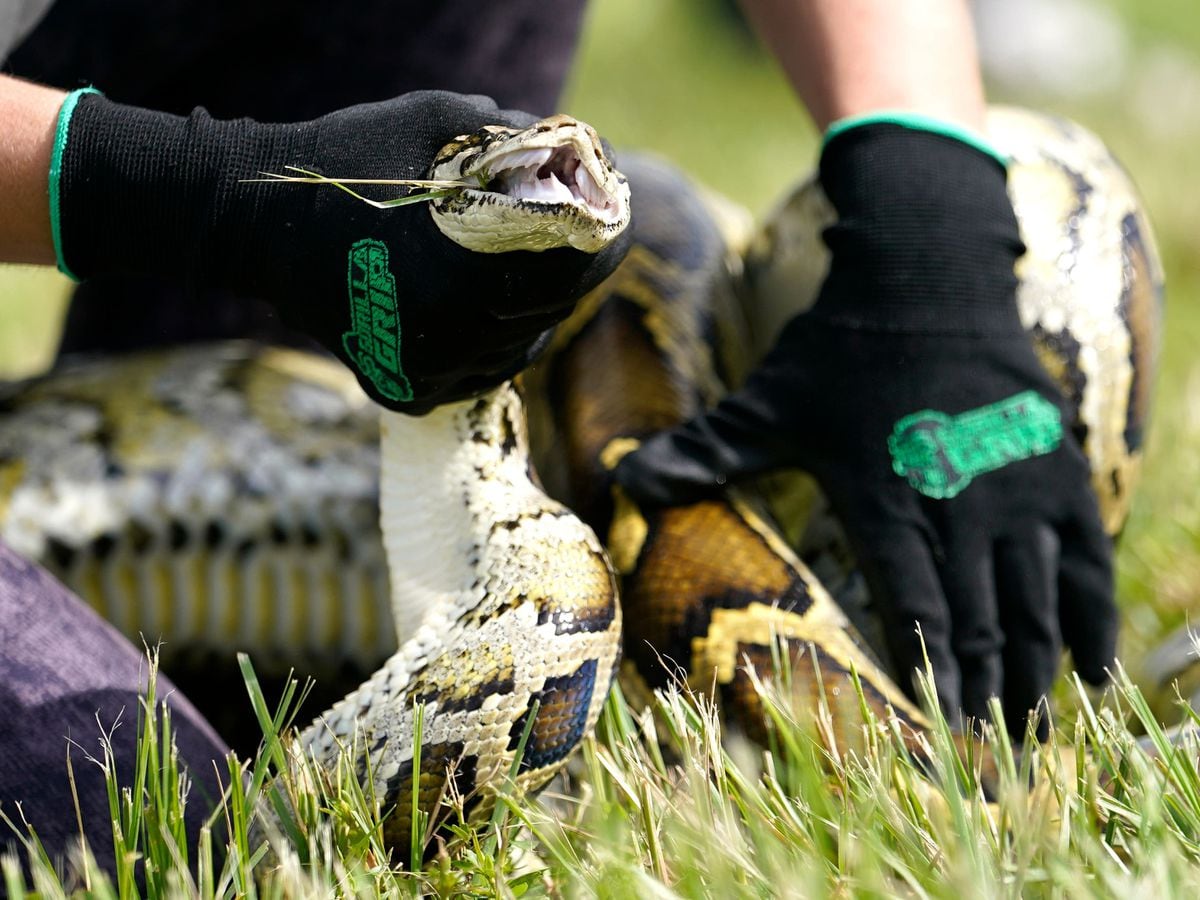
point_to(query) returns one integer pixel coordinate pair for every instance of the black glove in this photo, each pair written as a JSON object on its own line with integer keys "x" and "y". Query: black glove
{"x": 150, "y": 193}
{"x": 912, "y": 394}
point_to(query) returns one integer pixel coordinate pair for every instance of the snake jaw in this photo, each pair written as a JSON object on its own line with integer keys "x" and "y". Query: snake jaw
{"x": 546, "y": 186}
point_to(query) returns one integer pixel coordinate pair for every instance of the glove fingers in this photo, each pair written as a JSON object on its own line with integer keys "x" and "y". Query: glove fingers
{"x": 1087, "y": 611}
{"x": 507, "y": 362}
{"x": 521, "y": 283}
{"x": 740, "y": 437}
{"x": 507, "y": 343}
{"x": 671, "y": 468}
{"x": 514, "y": 118}
{"x": 776, "y": 419}
{"x": 512, "y": 335}
{"x": 901, "y": 574}
{"x": 968, "y": 580}
{"x": 1025, "y": 582}
{"x": 487, "y": 372}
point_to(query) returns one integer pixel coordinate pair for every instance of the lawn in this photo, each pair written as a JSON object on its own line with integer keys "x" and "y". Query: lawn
{"x": 683, "y": 79}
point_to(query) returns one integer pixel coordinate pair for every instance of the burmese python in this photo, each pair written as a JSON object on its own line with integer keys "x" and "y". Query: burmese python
{"x": 225, "y": 496}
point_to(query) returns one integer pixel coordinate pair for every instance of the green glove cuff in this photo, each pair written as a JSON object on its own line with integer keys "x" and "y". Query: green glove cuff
{"x": 56, "y": 157}
{"x": 917, "y": 122}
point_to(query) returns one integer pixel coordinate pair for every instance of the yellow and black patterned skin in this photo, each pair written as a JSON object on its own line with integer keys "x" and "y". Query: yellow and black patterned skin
{"x": 209, "y": 497}
{"x": 1091, "y": 290}
{"x": 169, "y": 488}
{"x": 708, "y": 586}
{"x": 209, "y": 500}
{"x": 713, "y": 587}
{"x": 503, "y": 599}
{"x": 224, "y": 498}
{"x": 228, "y": 497}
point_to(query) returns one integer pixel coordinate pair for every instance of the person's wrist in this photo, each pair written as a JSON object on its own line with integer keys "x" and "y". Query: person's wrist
{"x": 29, "y": 112}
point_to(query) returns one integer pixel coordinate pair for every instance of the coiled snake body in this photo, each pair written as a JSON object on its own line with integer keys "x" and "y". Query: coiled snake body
{"x": 226, "y": 496}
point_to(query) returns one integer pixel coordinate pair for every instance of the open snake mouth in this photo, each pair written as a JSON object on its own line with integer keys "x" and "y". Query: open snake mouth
{"x": 544, "y": 186}
{"x": 551, "y": 175}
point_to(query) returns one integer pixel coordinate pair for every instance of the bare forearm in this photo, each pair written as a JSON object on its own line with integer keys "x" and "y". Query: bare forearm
{"x": 850, "y": 57}
{"x": 28, "y": 114}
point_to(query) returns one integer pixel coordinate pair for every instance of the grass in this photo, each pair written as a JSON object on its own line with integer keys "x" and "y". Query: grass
{"x": 32, "y": 302}
{"x": 661, "y": 804}
{"x": 665, "y": 805}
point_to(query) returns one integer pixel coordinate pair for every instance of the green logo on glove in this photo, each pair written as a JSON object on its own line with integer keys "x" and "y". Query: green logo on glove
{"x": 373, "y": 341}
{"x": 939, "y": 455}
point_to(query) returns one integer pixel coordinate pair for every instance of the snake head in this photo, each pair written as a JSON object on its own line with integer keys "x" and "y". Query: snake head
{"x": 546, "y": 186}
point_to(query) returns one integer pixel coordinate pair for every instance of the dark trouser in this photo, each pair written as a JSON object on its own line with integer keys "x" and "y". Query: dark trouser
{"x": 282, "y": 61}
{"x": 66, "y": 677}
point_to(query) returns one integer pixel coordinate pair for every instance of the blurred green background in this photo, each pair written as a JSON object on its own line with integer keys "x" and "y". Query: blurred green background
{"x": 686, "y": 79}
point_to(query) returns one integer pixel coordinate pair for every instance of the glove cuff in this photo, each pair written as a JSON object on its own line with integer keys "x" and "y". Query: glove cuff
{"x": 917, "y": 122}
{"x": 926, "y": 237}
{"x": 139, "y": 191}
{"x": 56, "y": 158}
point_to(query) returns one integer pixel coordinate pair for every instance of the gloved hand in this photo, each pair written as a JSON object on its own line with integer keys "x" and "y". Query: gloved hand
{"x": 145, "y": 192}
{"x": 912, "y": 394}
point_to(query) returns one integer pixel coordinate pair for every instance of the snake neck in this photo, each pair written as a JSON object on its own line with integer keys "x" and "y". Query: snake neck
{"x": 503, "y": 600}
{"x": 448, "y": 480}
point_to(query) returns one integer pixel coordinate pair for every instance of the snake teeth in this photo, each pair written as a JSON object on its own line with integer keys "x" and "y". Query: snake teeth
{"x": 551, "y": 176}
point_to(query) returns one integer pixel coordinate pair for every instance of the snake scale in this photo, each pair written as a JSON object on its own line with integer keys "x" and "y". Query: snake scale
{"x": 229, "y": 497}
